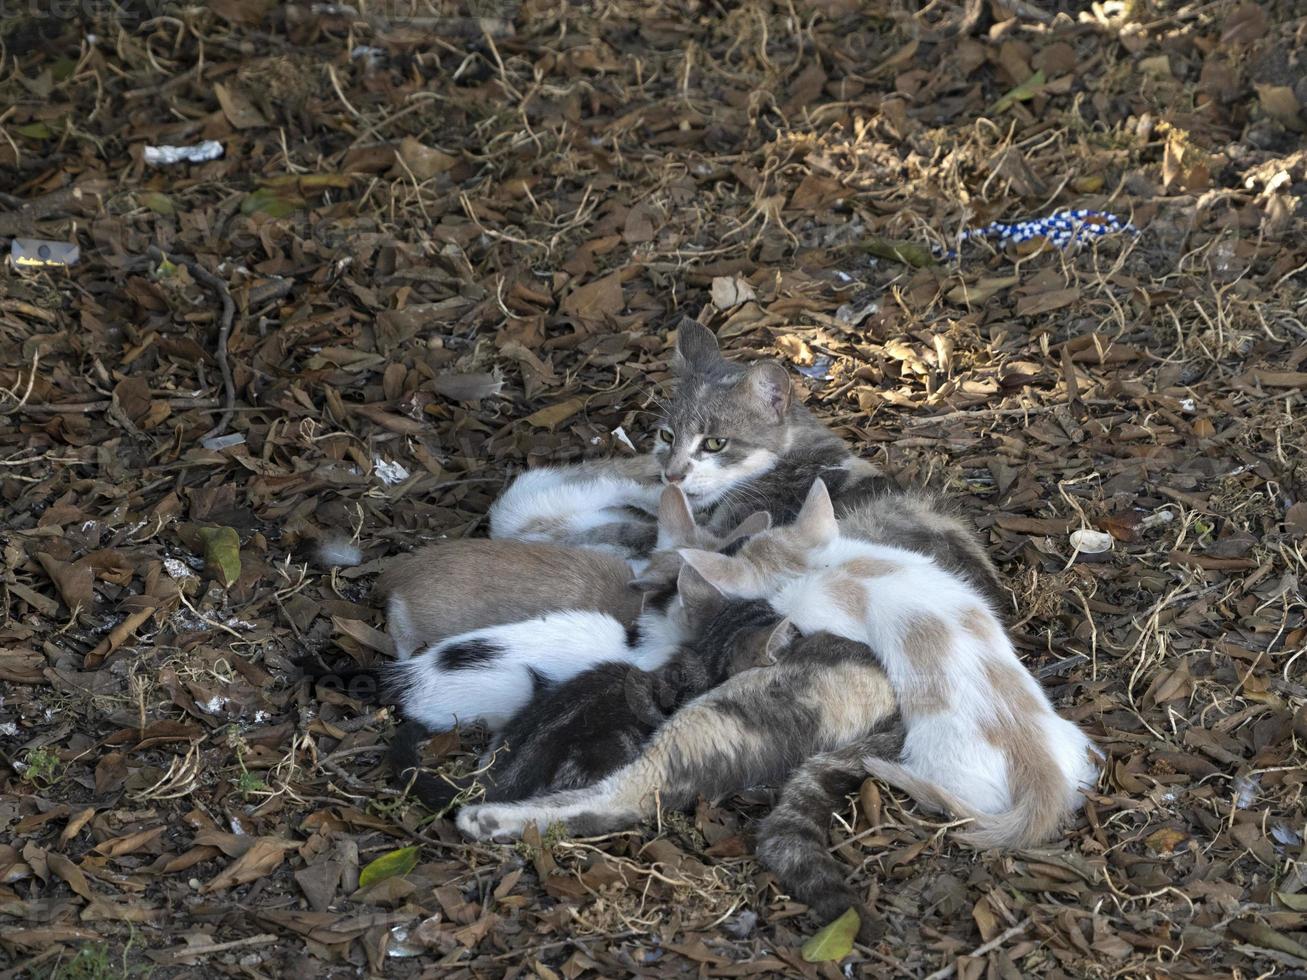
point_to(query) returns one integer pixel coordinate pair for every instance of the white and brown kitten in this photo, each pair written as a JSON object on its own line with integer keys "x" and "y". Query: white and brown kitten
{"x": 489, "y": 674}
{"x": 982, "y": 738}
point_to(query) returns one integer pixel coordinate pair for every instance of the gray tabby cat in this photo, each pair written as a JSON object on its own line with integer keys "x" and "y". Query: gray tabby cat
{"x": 807, "y": 723}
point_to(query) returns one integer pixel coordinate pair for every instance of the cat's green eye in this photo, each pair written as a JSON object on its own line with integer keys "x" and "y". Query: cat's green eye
{"x": 665, "y": 435}
{"x": 714, "y": 445}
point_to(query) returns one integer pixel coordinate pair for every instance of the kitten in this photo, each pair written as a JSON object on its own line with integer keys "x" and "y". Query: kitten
{"x": 982, "y": 738}
{"x": 807, "y": 722}
{"x": 451, "y": 587}
{"x": 455, "y": 587}
{"x": 491, "y": 673}
{"x": 574, "y": 733}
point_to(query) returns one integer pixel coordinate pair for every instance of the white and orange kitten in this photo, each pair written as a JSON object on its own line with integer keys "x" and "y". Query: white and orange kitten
{"x": 982, "y": 738}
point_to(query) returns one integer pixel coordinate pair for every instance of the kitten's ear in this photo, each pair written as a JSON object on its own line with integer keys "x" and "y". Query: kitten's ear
{"x": 696, "y": 348}
{"x": 728, "y": 575}
{"x": 755, "y": 523}
{"x": 816, "y": 521}
{"x": 768, "y": 384}
{"x": 782, "y": 635}
{"x": 675, "y": 519}
{"x": 694, "y": 589}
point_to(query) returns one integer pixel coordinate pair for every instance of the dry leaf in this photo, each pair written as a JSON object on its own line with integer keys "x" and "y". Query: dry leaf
{"x": 729, "y": 292}
{"x": 554, "y": 415}
{"x": 239, "y": 110}
{"x": 262, "y": 858}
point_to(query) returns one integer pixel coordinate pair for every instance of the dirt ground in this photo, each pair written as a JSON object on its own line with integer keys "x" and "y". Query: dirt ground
{"x": 443, "y": 242}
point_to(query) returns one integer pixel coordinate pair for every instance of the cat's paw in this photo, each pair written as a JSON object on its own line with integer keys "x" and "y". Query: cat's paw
{"x": 489, "y": 822}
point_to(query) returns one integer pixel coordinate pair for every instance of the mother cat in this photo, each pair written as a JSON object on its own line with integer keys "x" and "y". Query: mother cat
{"x": 736, "y": 440}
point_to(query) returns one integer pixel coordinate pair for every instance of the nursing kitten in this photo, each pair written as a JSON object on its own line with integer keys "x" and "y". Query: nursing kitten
{"x": 807, "y": 723}
{"x": 982, "y": 738}
{"x": 576, "y": 732}
{"x": 451, "y": 587}
{"x": 490, "y": 674}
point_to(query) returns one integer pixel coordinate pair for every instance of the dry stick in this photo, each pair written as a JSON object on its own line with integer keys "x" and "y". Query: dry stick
{"x": 203, "y": 275}
{"x": 993, "y": 944}
{"x": 100, "y": 406}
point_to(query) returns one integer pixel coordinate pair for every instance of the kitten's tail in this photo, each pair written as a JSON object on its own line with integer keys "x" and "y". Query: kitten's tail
{"x": 1043, "y": 804}
{"x": 793, "y": 838}
{"x": 405, "y": 756}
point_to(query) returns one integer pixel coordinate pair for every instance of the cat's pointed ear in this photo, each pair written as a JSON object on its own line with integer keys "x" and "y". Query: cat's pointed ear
{"x": 816, "y": 521}
{"x": 768, "y": 385}
{"x": 675, "y": 519}
{"x": 728, "y": 575}
{"x": 782, "y": 635}
{"x": 755, "y": 523}
{"x": 696, "y": 348}
{"x": 693, "y": 588}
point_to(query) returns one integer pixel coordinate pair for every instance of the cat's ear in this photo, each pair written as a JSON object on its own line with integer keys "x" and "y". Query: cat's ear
{"x": 782, "y": 635}
{"x": 768, "y": 385}
{"x": 730, "y": 576}
{"x": 694, "y": 589}
{"x": 675, "y": 519}
{"x": 816, "y": 524}
{"x": 696, "y": 348}
{"x": 755, "y": 523}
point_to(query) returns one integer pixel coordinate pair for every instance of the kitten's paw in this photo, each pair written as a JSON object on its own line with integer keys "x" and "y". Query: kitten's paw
{"x": 489, "y": 822}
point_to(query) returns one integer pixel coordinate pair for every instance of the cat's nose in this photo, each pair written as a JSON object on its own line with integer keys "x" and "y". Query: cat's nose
{"x": 673, "y": 477}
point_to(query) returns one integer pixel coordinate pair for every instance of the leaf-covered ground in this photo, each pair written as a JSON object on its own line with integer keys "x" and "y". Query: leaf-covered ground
{"x": 455, "y": 239}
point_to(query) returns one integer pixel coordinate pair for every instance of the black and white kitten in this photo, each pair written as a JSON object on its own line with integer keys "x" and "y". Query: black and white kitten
{"x": 575, "y": 732}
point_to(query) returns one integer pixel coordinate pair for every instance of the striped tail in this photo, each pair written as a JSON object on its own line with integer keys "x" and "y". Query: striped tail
{"x": 792, "y": 840}
{"x": 438, "y": 793}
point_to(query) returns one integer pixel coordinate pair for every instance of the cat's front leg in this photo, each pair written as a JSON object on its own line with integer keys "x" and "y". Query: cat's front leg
{"x": 584, "y": 812}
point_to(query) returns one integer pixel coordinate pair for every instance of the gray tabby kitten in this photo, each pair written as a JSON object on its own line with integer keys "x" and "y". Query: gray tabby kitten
{"x": 807, "y": 723}
{"x": 736, "y": 441}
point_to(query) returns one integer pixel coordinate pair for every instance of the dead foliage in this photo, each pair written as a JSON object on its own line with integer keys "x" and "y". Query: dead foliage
{"x": 453, "y": 238}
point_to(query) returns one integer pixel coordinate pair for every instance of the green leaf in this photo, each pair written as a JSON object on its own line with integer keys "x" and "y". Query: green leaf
{"x": 268, "y": 201}
{"x": 835, "y": 941}
{"x": 1022, "y": 93}
{"x": 399, "y": 862}
{"x": 909, "y": 253}
{"x": 63, "y": 69}
{"x": 158, "y": 203}
{"x": 1297, "y": 902}
{"x": 308, "y": 182}
{"x": 36, "y": 131}
{"x": 222, "y": 553}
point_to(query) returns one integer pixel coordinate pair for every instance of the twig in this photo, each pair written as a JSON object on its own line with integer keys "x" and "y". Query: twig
{"x": 203, "y": 275}
{"x": 981, "y": 950}
{"x": 575, "y": 940}
{"x": 187, "y": 952}
{"x": 100, "y": 406}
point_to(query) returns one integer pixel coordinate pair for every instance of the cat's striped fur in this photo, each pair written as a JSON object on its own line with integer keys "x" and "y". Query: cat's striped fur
{"x": 806, "y": 722}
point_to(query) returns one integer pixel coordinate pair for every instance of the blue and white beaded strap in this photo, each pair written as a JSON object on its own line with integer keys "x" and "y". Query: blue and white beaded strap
{"x": 1064, "y": 228}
